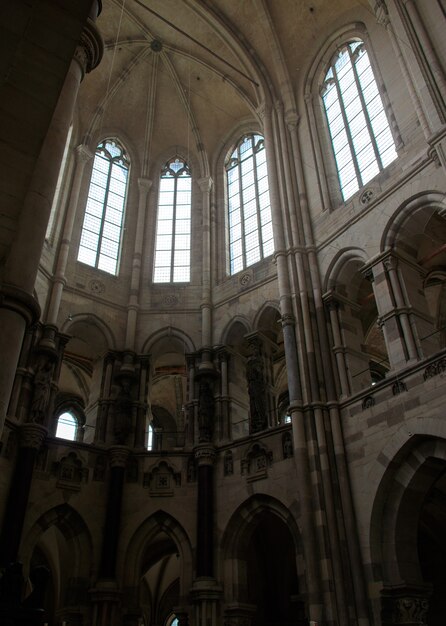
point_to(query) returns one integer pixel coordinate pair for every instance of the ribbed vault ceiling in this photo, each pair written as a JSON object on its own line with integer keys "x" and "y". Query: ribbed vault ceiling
{"x": 185, "y": 95}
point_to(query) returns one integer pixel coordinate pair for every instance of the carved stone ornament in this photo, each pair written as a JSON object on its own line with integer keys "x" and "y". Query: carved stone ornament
{"x": 256, "y": 461}
{"x": 398, "y": 387}
{"x": 245, "y": 279}
{"x": 97, "y": 287}
{"x": 411, "y": 611}
{"x": 228, "y": 463}
{"x": 368, "y": 402}
{"x": 90, "y": 49}
{"x": 70, "y": 472}
{"x": 366, "y": 196}
{"x": 119, "y": 456}
{"x": 32, "y": 435}
{"x": 170, "y": 300}
{"x": 162, "y": 479}
{"x": 438, "y": 367}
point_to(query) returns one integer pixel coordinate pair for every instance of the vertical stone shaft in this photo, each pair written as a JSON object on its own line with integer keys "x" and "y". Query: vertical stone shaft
{"x": 204, "y": 455}
{"x": 118, "y": 459}
{"x": 31, "y": 436}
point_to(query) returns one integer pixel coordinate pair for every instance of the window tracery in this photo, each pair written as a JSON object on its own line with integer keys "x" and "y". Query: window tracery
{"x": 361, "y": 137}
{"x": 249, "y": 209}
{"x": 101, "y": 235}
{"x": 173, "y": 232}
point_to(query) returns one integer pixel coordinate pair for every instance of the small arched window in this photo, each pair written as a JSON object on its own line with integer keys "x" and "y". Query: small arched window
{"x": 67, "y": 425}
{"x": 149, "y": 437}
{"x": 101, "y": 236}
{"x": 361, "y": 137}
{"x": 173, "y": 231}
{"x": 249, "y": 209}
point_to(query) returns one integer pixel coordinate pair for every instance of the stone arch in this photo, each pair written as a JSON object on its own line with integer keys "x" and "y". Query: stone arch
{"x": 408, "y": 515}
{"x": 171, "y": 334}
{"x": 94, "y": 320}
{"x": 362, "y": 354}
{"x": 238, "y": 533}
{"x": 415, "y": 239}
{"x": 239, "y": 324}
{"x": 61, "y": 540}
{"x": 133, "y": 563}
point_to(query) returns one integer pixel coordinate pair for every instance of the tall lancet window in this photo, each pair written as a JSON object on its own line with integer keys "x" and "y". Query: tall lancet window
{"x": 362, "y": 140}
{"x": 249, "y": 209}
{"x": 101, "y": 236}
{"x": 173, "y": 230}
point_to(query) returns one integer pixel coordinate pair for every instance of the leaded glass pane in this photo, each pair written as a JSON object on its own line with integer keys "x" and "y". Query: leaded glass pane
{"x": 351, "y": 95}
{"x": 172, "y": 253}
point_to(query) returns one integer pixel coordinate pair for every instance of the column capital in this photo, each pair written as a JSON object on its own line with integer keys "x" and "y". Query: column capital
{"x": 292, "y": 119}
{"x": 205, "y": 454}
{"x": 118, "y": 456}
{"x": 32, "y": 435}
{"x": 144, "y": 184}
{"x": 381, "y": 13}
{"x": 90, "y": 49}
{"x": 19, "y": 301}
{"x": 83, "y": 154}
{"x": 205, "y": 184}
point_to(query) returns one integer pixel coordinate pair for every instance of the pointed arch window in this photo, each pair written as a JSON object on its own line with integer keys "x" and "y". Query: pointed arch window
{"x": 249, "y": 208}
{"x": 100, "y": 243}
{"x": 361, "y": 137}
{"x": 67, "y": 425}
{"x": 173, "y": 231}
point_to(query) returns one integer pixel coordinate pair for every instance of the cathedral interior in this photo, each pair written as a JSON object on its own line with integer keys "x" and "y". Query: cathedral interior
{"x": 223, "y": 313}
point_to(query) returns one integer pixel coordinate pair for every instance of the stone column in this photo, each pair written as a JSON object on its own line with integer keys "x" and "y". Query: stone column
{"x": 82, "y": 156}
{"x": 205, "y": 457}
{"x": 118, "y": 461}
{"x": 105, "y": 401}
{"x": 206, "y": 593}
{"x": 225, "y": 426}
{"x": 394, "y": 311}
{"x": 144, "y": 185}
{"x": 31, "y": 438}
{"x": 206, "y": 305}
{"x": 382, "y": 16}
{"x": 20, "y": 270}
{"x": 338, "y": 347}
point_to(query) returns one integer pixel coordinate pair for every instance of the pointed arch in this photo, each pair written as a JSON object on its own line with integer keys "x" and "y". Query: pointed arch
{"x": 133, "y": 563}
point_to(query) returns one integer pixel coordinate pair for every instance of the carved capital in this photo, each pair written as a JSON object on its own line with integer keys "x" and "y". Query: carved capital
{"x": 118, "y": 456}
{"x": 32, "y": 435}
{"x": 83, "y": 154}
{"x": 288, "y": 320}
{"x": 205, "y": 454}
{"x": 205, "y": 184}
{"x": 292, "y": 120}
{"x": 144, "y": 184}
{"x": 381, "y": 13}
{"x": 90, "y": 49}
{"x": 19, "y": 301}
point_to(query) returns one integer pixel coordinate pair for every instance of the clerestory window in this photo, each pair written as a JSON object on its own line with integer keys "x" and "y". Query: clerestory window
{"x": 100, "y": 243}
{"x": 361, "y": 137}
{"x": 173, "y": 231}
{"x": 249, "y": 208}
{"x": 67, "y": 426}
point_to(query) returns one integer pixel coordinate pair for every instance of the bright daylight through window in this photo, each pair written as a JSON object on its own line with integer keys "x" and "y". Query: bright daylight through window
{"x": 249, "y": 209}
{"x": 360, "y": 133}
{"x": 102, "y": 228}
{"x": 172, "y": 248}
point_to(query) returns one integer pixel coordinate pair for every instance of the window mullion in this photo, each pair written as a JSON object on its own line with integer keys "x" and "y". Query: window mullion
{"x": 104, "y": 208}
{"x": 174, "y": 227}
{"x": 256, "y": 185}
{"x": 366, "y": 113}
{"x": 242, "y": 211}
{"x": 347, "y": 127}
